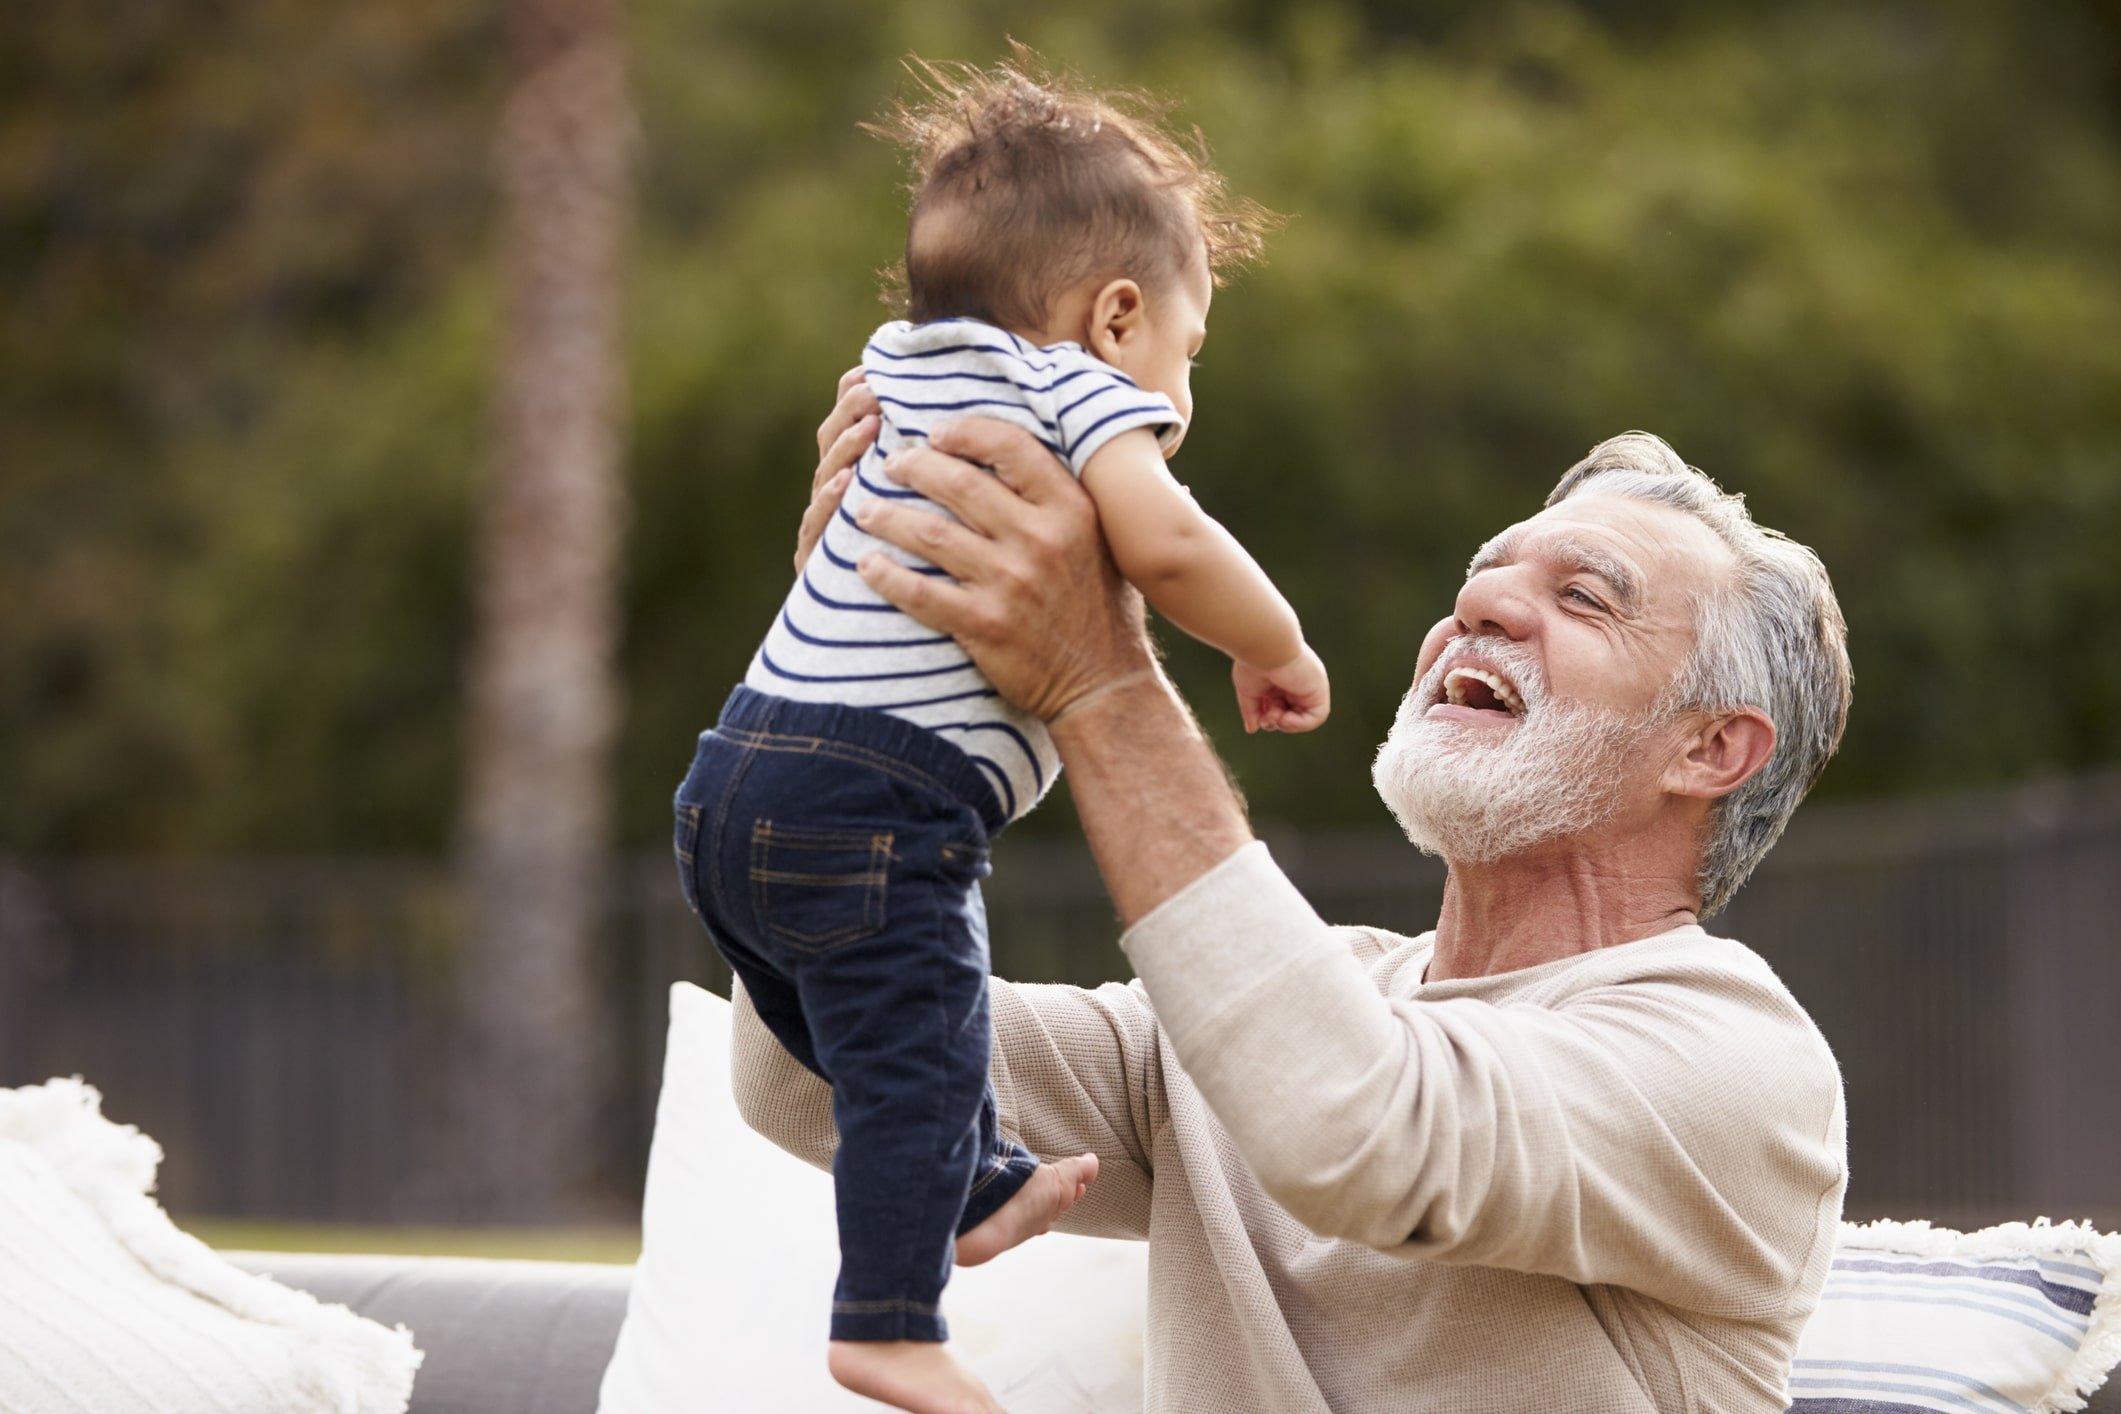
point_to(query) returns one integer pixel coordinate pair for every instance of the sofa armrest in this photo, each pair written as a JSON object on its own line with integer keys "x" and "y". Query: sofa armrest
{"x": 501, "y": 1337}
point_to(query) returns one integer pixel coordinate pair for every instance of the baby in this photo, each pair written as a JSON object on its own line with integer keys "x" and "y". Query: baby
{"x": 833, "y": 829}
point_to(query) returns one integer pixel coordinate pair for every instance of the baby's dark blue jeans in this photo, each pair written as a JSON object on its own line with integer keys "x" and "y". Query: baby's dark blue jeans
{"x": 834, "y": 854}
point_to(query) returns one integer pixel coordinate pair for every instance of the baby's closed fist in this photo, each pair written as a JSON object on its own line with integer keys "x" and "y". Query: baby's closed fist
{"x": 1294, "y": 697}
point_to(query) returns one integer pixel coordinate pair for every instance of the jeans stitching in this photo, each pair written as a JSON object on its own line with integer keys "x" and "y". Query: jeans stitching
{"x": 829, "y": 746}
{"x": 873, "y": 899}
{"x": 688, "y": 868}
{"x": 803, "y": 837}
{"x": 992, "y": 1168}
{"x": 873, "y": 884}
{"x": 867, "y": 878}
{"x": 721, "y": 823}
{"x": 694, "y": 812}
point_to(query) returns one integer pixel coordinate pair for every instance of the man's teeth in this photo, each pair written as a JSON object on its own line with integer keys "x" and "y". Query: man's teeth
{"x": 1454, "y": 689}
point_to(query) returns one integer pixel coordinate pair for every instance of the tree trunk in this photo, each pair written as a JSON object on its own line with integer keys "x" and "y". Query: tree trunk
{"x": 544, "y": 699}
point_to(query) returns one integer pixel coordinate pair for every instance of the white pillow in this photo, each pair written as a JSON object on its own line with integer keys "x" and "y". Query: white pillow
{"x": 2012, "y": 1318}
{"x": 738, "y": 1254}
{"x": 106, "y": 1308}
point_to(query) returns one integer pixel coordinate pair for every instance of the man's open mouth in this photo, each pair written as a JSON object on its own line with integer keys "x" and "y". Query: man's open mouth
{"x": 1482, "y": 691}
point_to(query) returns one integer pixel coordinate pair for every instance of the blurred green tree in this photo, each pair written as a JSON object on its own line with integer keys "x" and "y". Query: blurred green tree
{"x": 216, "y": 223}
{"x": 1853, "y": 259}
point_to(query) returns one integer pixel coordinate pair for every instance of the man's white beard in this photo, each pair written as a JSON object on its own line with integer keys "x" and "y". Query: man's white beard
{"x": 1474, "y": 793}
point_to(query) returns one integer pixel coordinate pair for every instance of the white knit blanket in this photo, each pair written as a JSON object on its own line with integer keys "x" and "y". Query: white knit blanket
{"x": 107, "y": 1308}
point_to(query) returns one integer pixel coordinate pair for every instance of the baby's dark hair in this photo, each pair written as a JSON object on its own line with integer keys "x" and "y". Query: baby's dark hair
{"x": 1026, "y": 183}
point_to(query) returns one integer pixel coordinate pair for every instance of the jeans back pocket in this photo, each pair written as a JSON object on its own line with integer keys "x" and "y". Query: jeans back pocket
{"x": 819, "y": 889}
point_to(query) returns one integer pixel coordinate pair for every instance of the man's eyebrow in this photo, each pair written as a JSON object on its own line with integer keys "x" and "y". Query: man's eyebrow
{"x": 1601, "y": 563}
{"x": 1577, "y": 554}
{"x": 1499, "y": 551}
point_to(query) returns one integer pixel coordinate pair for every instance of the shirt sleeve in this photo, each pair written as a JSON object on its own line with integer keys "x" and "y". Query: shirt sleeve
{"x": 1075, "y": 1071}
{"x": 1093, "y": 402}
{"x": 1669, "y": 1137}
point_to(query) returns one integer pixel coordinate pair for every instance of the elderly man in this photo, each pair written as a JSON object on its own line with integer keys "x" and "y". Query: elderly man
{"x": 1566, "y": 1151}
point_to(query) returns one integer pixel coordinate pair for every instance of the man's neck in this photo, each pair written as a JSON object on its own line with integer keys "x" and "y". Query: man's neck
{"x": 1551, "y": 904}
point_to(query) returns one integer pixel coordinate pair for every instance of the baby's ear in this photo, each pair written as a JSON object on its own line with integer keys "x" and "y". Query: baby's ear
{"x": 1116, "y": 316}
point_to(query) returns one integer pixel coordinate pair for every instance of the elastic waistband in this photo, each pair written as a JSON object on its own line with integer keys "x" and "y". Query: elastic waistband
{"x": 897, "y": 743}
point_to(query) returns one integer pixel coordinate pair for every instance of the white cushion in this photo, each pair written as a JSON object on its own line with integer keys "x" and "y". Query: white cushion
{"x": 738, "y": 1255}
{"x": 106, "y": 1308}
{"x": 2017, "y": 1317}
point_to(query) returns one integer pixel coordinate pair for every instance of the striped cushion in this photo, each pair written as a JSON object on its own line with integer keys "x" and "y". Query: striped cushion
{"x": 2009, "y": 1319}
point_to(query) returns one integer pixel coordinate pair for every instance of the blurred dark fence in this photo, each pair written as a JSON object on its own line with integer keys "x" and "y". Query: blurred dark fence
{"x": 282, "y": 1026}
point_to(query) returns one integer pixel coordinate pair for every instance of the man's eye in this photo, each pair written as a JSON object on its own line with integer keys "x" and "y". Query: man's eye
{"x": 1582, "y": 596}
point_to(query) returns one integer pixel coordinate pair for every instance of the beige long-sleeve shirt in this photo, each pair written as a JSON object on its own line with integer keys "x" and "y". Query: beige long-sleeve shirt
{"x": 1606, "y": 1183}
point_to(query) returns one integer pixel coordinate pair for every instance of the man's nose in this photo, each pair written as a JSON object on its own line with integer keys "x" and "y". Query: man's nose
{"x": 1498, "y": 601}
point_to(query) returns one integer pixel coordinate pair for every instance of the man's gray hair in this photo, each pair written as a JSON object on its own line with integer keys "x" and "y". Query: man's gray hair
{"x": 1772, "y": 637}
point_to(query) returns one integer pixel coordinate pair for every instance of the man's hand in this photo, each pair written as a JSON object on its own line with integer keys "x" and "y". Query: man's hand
{"x": 1039, "y": 605}
{"x": 1034, "y": 598}
{"x": 841, "y": 439}
{"x": 1294, "y": 697}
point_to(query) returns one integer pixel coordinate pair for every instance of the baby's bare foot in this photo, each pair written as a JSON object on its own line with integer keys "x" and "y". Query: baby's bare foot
{"x": 1050, "y": 1191}
{"x": 916, "y": 1375}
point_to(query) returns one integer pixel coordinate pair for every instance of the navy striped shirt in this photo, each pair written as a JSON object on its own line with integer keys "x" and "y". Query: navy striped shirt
{"x": 837, "y": 640}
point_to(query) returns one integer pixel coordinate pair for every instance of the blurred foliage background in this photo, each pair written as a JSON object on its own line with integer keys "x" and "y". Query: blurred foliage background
{"x": 1856, "y": 259}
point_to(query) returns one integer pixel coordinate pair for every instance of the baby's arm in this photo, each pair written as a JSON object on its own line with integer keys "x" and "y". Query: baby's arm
{"x": 1200, "y": 578}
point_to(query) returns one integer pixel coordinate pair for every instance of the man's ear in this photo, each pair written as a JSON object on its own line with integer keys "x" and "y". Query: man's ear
{"x": 1116, "y": 316}
{"x": 1724, "y": 752}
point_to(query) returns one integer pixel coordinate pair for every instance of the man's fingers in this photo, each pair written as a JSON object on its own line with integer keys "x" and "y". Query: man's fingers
{"x": 835, "y": 472}
{"x": 854, "y": 403}
{"x": 969, "y": 492}
{"x": 818, "y": 514}
{"x": 964, "y": 553}
{"x": 1023, "y": 463}
{"x": 846, "y": 449}
{"x": 936, "y": 602}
